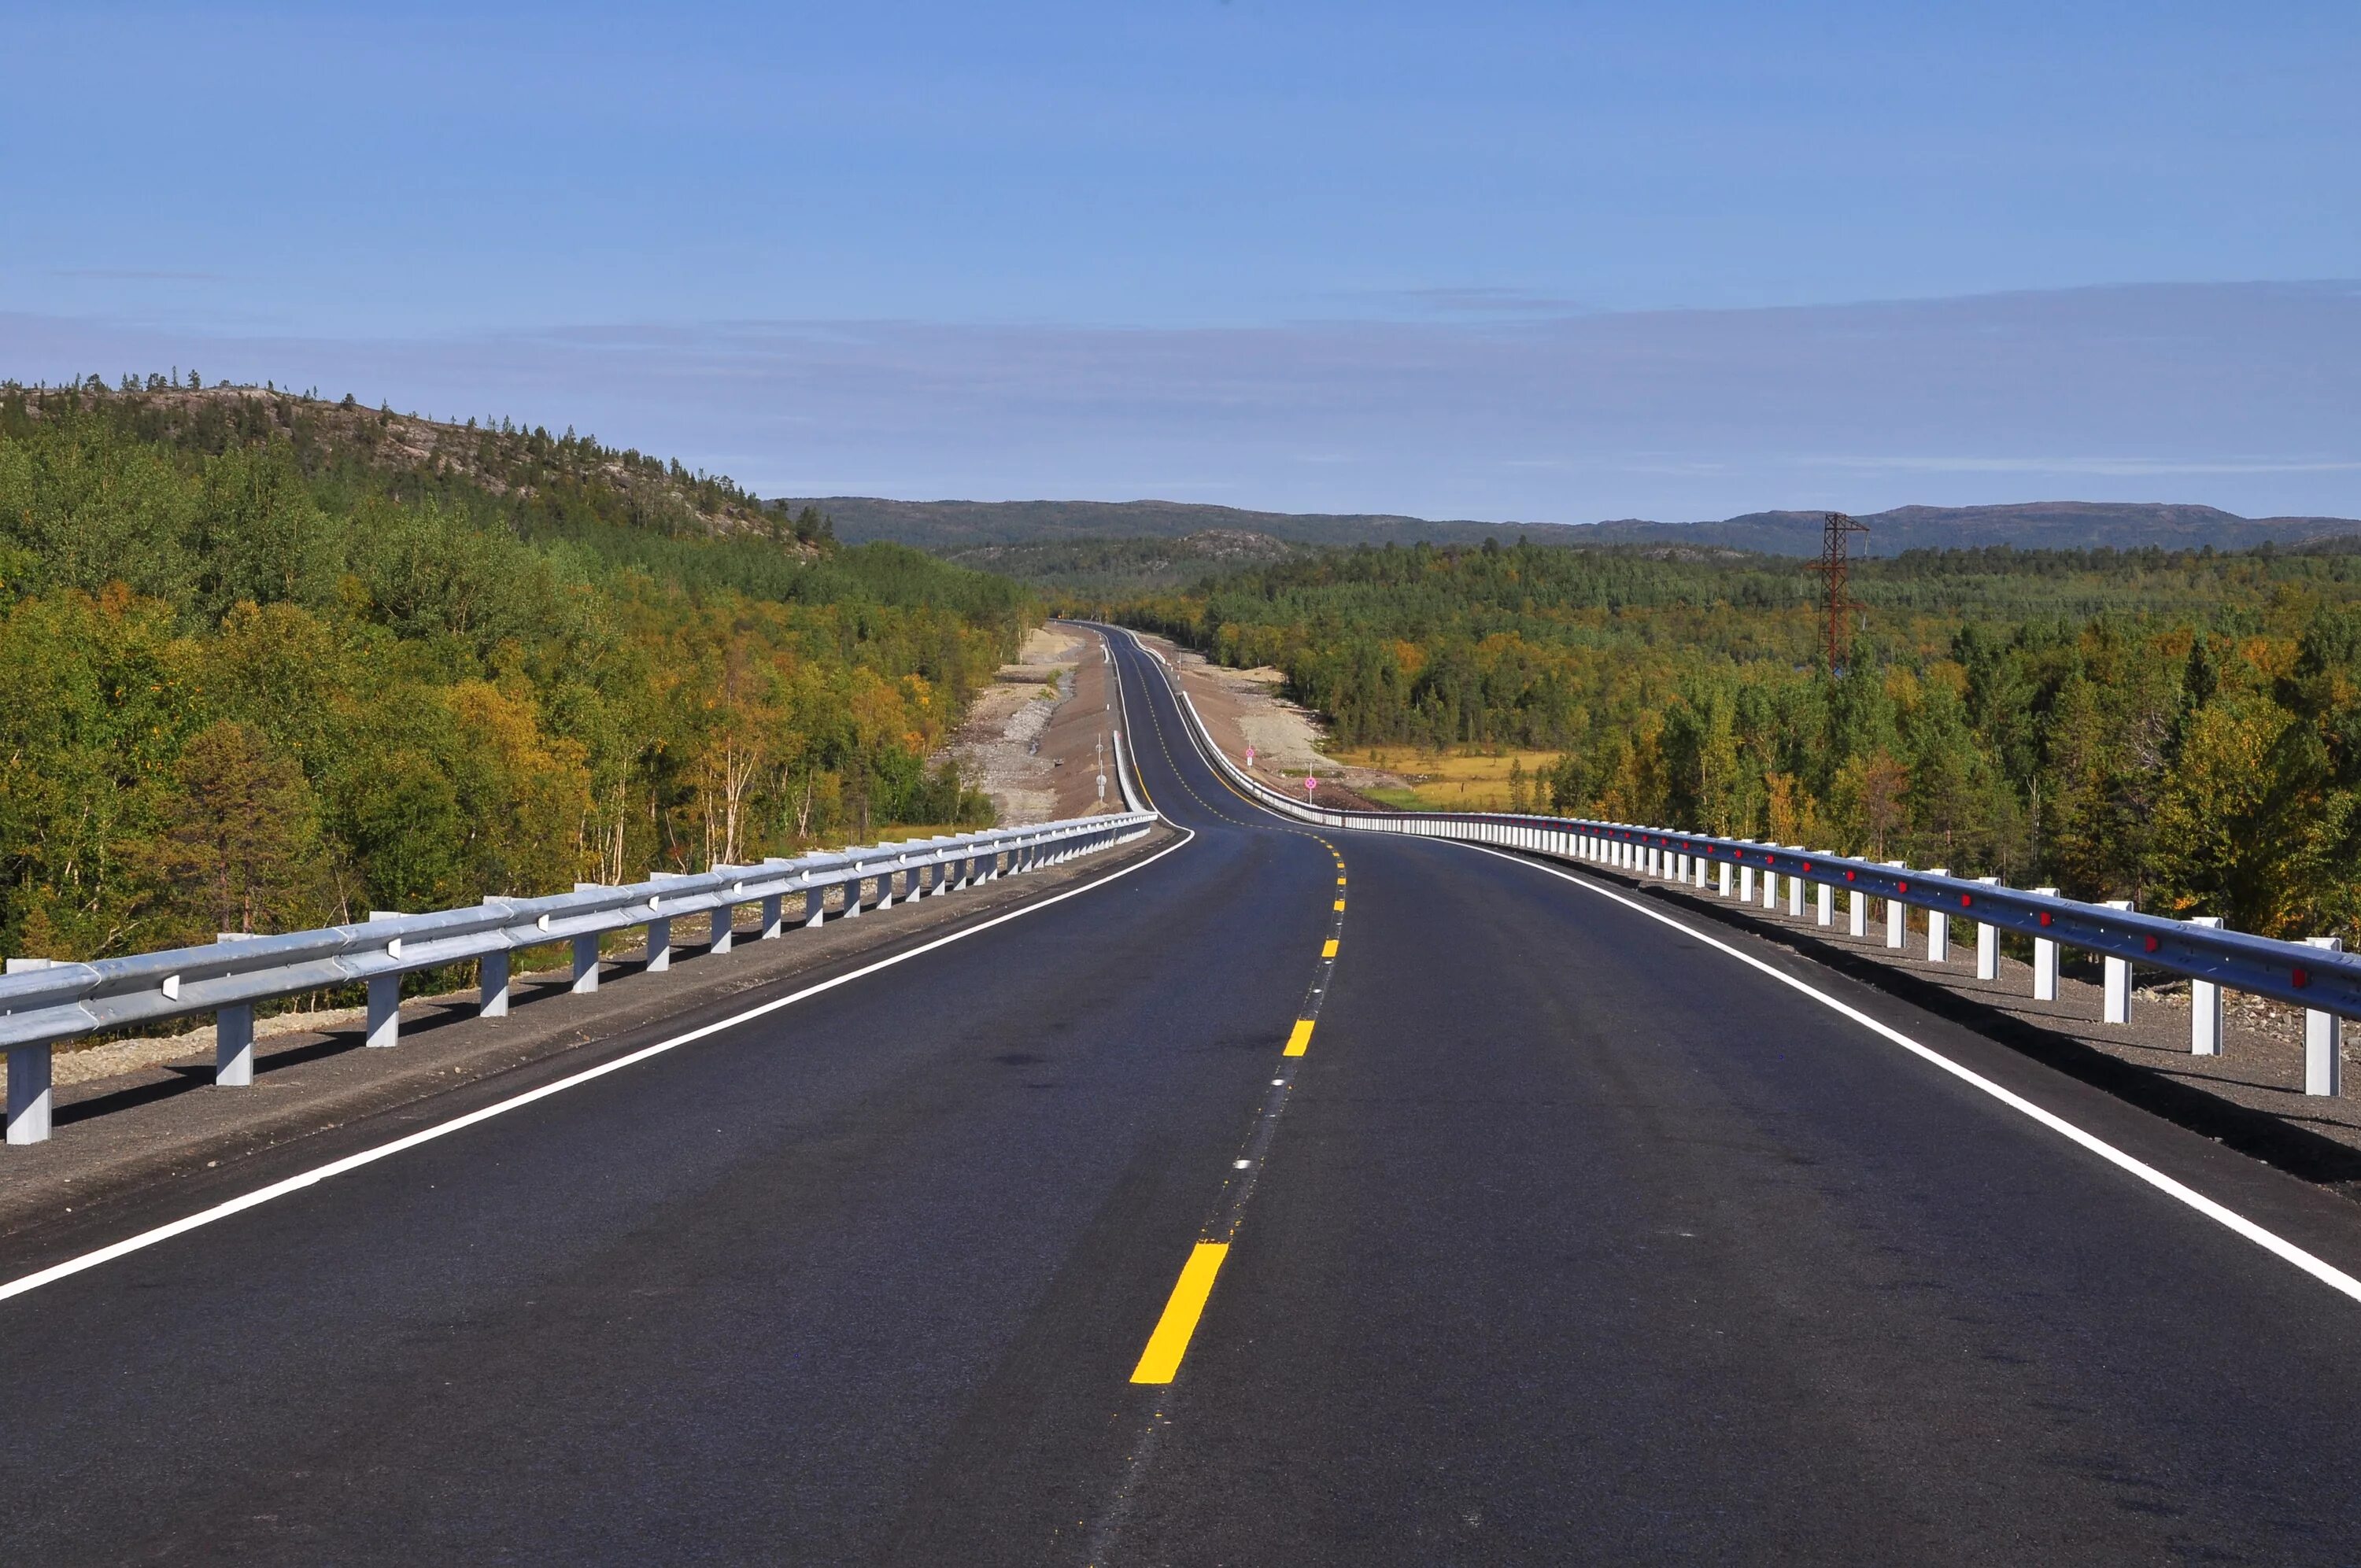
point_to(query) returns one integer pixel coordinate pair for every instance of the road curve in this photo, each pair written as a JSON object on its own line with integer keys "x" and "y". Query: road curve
{"x": 1565, "y": 1236}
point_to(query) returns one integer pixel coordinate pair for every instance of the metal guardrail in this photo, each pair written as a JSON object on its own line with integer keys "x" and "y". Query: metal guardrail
{"x": 2316, "y": 975}
{"x": 43, "y": 1003}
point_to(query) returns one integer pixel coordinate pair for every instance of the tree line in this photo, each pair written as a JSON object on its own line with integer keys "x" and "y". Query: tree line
{"x": 2183, "y": 729}
{"x": 253, "y": 682}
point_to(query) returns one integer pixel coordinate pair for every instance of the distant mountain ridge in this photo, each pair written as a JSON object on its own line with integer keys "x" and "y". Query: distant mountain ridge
{"x": 956, "y": 527}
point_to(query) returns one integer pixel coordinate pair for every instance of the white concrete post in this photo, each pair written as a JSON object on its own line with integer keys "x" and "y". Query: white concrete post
{"x": 28, "y": 1077}
{"x": 1771, "y": 889}
{"x": 2116, "y": 1005}
{"x": 585, "y": 963}
{"x": 815, "y": 906}
{"x": 2045, "y": 960}
{"x": 660, "y": 944}
{"x": 853, "y": 892}
{"x": 2323, "y": 1037}
{"x": 2205, "y": 1005}
{"x": 1745, "y": 884}
{"x": 725, "y": 920}
{"x": 1897, "y": 915}
{"x": 1939, "y": 927}
{"x": 1858, "y": 912}
{"x": 492, "y": 986}
{"x": 771, "y": 919}
{"x": 1795, "y": 897}
{"x": 1725, "y": 877}
{"x": 1828, "y": 904}
{"x": 1987, "y": 941}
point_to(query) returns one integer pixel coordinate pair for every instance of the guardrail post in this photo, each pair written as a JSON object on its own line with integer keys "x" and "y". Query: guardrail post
{"x": 1745, "y": 884}
{"x": 28, "y": 1076}
{"x": 815, "y": 906}
{"x": 1770, "y": 890}
{"x": 233, "y": 1035}
{"x": 1939, "y": 927}
{"x": 1897, "y": 915}
{"x": 492, "y": 986}
{"x": 384, "y": 996}
{"x": 724, "y": 925}
{"x": 384, "y": 1011}
{"x": 2116, "y": 1006}
{"x": 1827, "y": 895}
{"x": 2323, "y": 1037}
{"x": 1858, "y": 913}
{"x": 2045, "y": 959}
{"x": 1795, "y": 895}
{"x": 660, "y": 944}
{"x": 2205, "y": 1004}
{"x": 1987, "y": 941}
{"x": 585, "y": 963}
{"x": 1725, "y": 877}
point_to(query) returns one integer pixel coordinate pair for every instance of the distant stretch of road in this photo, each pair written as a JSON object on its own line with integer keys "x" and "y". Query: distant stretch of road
{"x": 1280, "y": 1199}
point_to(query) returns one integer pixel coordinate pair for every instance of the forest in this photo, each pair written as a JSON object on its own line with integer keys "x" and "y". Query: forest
{"x": 2181, "y": 728}
{"x": 269, "y": 660}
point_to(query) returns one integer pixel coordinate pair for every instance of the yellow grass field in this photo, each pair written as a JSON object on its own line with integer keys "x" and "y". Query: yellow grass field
{"x": 1465, "y": 779}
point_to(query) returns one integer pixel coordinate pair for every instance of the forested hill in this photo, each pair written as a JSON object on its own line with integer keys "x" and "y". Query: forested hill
{"x": 2183, "y": 729}
{"x": 955, "y": 527}
{"x": 266, "y": 660}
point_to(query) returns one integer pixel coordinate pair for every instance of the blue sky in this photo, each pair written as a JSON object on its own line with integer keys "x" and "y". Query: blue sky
{"x": 1562, "y": 261}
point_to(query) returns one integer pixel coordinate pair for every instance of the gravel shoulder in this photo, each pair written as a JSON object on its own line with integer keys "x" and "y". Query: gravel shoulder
{"x": 1030, "y": 740}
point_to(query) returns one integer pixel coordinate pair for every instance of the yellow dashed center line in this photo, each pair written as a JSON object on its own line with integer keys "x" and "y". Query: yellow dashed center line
{"x": 1329, "y": 950}
{"x": 1301, "y": 1040}
{"x": 1166, "y": 1346}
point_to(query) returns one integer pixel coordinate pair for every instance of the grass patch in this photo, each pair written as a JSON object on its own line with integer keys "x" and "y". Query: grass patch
{"x": 1469, "y": 778}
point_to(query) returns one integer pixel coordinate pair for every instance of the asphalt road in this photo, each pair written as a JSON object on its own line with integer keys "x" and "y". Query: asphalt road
{"x": 1567, "y": 1238}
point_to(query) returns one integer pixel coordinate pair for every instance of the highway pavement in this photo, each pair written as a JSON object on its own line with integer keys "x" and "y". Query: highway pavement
{"x": 1564, "y": 1233}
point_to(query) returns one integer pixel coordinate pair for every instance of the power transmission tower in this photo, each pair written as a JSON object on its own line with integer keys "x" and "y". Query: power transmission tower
{"x": 1835, "y": 567}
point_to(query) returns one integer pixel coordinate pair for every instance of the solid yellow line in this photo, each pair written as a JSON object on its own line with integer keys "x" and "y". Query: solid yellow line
{"x": 1170, "y": 1343}
{"x": 1329, "y": 951}
{"x": 1301, "y": 1040}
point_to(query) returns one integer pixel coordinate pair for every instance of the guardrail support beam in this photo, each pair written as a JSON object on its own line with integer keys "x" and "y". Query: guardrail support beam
{"x": 585, "y": 963}
{"x": 2116, "y": 1006}
{"x": 384, "y": 1011}
{"x": 2323, "y": 1037}
{"x": 2045, "y": 960}
{"x": 1897, "y": 917}
{"x": 725, "y": 925}
{"x": 1857, "y": 914}
{"x": 660, "y": 944}
{"x": 29, "y": 1094}
{"x": 1987, "y": 941}
{"x": 2205, "y": 1005}
{"x": 233, "y": 1047}
{"x": 492, "y": 986}
{"x": 771, "y": 918}
{"x": 1938, "y": 928}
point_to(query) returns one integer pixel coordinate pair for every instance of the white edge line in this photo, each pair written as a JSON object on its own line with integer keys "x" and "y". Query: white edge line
{"x": 2229, "y": 1219}
{"x": 313, "y": 1177}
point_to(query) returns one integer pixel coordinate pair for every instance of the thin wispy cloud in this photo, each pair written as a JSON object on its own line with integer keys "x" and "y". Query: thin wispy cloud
{"x": 2237, "y": 396}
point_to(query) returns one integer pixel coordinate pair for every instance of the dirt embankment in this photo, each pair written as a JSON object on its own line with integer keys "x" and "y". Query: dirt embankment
{"x": 1034, "y": 741}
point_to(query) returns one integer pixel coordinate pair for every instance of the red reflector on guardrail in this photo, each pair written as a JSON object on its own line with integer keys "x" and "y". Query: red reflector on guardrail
{"x": 1902, "y": 887}
{"x": 1847, "y": 876}
{"x": 1967, "y": 901}
{"x": 2045, "y": 917}
{"x": 2302, "y": 977}
{"x": 2153, "y": 944}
